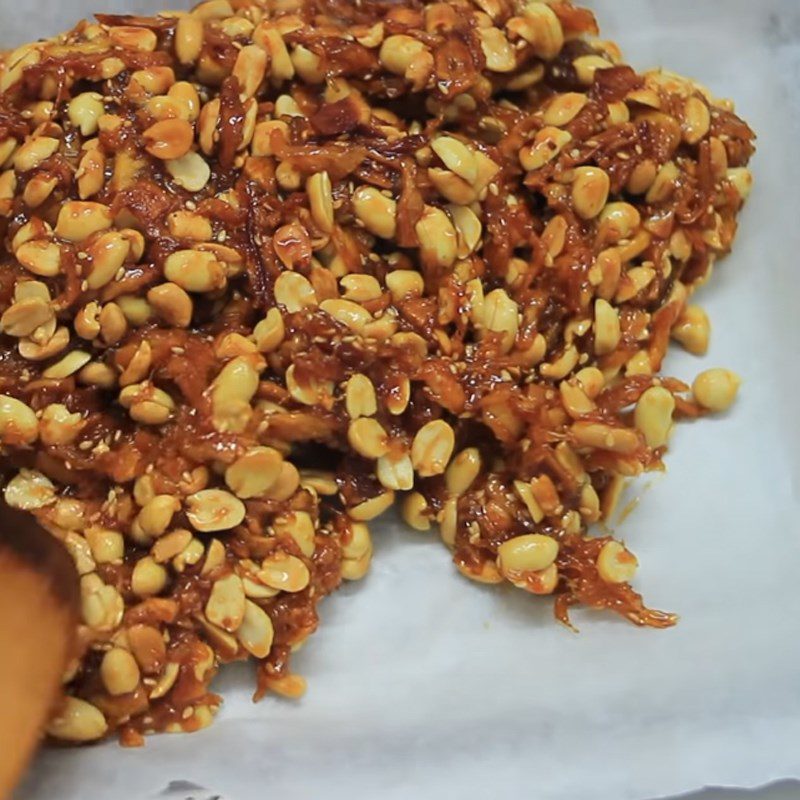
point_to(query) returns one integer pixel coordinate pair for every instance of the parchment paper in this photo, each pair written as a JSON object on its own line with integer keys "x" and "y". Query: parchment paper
{"x": 425, "y": 685}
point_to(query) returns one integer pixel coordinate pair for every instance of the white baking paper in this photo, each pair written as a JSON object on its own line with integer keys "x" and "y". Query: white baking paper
{"x": 422, "y": 684}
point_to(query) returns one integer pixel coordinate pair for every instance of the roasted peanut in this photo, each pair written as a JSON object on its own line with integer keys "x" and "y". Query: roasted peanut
{"x": 214, "y": 510}
{"x": 692, "y": 329}
{"x": 716, "y": 389}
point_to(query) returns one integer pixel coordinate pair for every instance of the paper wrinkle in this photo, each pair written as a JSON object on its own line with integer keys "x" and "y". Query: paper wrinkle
{"x": 423, "y": 684}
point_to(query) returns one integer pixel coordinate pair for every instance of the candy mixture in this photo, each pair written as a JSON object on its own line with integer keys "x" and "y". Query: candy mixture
{"x": 272, "y": 267}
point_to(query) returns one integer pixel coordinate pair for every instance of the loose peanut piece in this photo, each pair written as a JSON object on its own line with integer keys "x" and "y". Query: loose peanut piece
{"x": 68, "y": 513}
{"x": 321, "y": 481}
{"x": 299, "y": 527}
{"x": 188, "y": 225}
{"x": 136, "y": 311}
{"x": 307, "y": 65}
{"x": 451, "y": 187}
{"x": 96, "y": 374}
{"x": 112, "y": 322}
{"x": 542, "y": 582}
{"x": 108, "y": 253}
{"x": 91, "y": 173}
{"x": 291, "y": 686}
{"x": 307, "y": 389}
{"x": 716, "y": 389}
{"x": 269, "y": 37}
{"x": 133, "y": 38}
{"x": 448, "y": 522}
{"x": 215, "y": 557}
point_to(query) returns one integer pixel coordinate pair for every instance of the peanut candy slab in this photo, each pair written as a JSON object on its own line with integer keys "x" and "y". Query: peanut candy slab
{"x": 270, "y": 268}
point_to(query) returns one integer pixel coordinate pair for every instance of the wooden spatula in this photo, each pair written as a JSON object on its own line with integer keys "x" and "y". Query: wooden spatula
{"x": 39, "y": 606}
